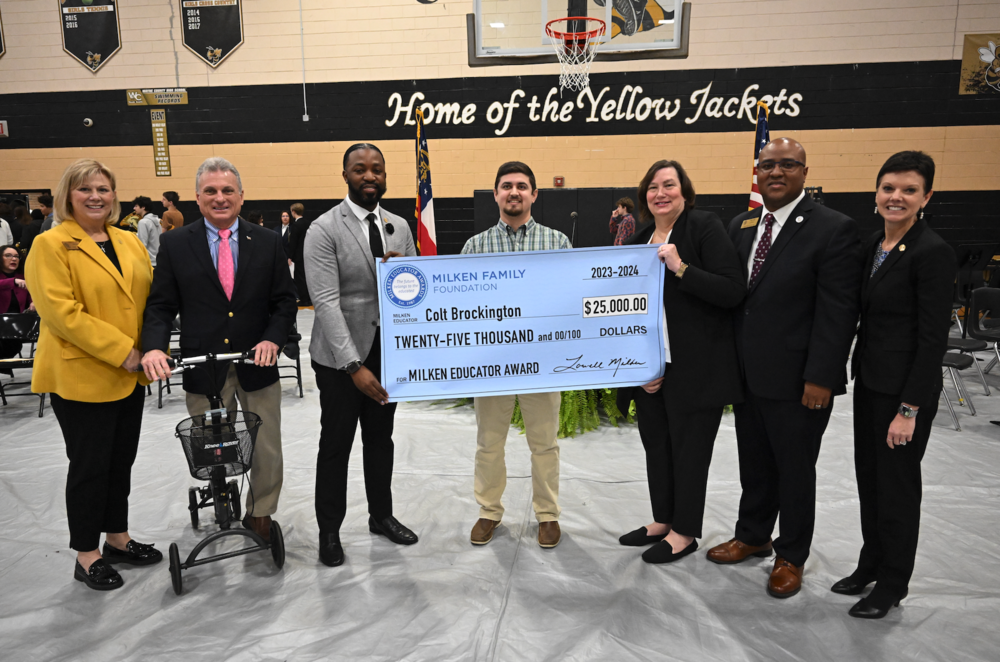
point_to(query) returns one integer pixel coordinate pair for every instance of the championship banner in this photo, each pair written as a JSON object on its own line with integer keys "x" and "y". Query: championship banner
{"x": 212, "y": 29}
{"x": 527, "y": 322}
{"x": 90, "y": 30}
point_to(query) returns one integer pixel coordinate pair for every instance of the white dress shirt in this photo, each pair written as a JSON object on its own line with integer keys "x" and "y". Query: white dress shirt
{"x": 361, "y": 213}
{"x": 780, "y": 216}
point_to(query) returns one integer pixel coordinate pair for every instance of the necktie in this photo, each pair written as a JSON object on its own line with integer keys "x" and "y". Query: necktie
{"x": 763, "y": 247}
{"x": 225, "y": 268}
{"x": 374, "y": 238}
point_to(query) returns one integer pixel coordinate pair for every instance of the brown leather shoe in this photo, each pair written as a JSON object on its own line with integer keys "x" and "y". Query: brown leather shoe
{"x": 482, "y": 532}
{"x": 259, "y": 525}
{"x": 735, "y": 551}
{"x": 548, "y": 534}
{"x": 785, "y": 580}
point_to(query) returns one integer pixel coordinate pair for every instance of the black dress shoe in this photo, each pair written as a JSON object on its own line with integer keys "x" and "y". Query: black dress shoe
{"x": 100, "y": 576}
{"x": 662, "y": 552}
{"x": 867, "y": 608}
{"x": 135, "y": 553}
{"x": 330, "y": 551}
{"x": 852, "y": 585}
{"x": 393, "y": 530}
{"x": 639, "y": 538}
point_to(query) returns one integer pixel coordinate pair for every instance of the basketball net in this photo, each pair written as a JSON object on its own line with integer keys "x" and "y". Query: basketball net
{"x": 575, "y": 50}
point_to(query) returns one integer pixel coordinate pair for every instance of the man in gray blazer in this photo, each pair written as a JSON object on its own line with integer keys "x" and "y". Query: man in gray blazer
{"x": 340, "y": 256}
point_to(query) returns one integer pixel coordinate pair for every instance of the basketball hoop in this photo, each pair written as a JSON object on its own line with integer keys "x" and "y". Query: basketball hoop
{"x": 575, "y": 49}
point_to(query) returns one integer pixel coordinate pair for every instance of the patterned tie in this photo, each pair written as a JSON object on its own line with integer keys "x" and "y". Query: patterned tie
{"x": 763, "y": 247}
{"x": 374, "y": 238}
{"x": 225, "y": 267}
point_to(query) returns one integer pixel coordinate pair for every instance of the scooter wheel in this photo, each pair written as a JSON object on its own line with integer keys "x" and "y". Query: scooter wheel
{"x": 193, "y": 506}
{"x": 277, "y": 545}
{"x": 175, "y": 568}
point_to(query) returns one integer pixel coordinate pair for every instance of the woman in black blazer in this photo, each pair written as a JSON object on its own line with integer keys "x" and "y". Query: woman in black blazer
{"x": 905, "y": 315}
{"x": 679, "y": 414}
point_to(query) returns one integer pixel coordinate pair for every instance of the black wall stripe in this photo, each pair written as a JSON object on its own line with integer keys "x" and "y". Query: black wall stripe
{"x": 894, "y": 94}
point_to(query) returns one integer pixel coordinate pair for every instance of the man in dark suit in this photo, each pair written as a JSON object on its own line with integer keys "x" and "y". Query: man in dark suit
{"x": 297, "y": 245}
{"x": 344, "y": 244}
{"x": 229, "y": 281}
{"x": 802, "y": 262}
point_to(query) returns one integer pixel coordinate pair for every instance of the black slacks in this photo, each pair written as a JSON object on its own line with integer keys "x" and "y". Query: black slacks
{"x": 102, "y": 439}
{"x": 679, "y": 444}
{"x": 779, "y": 443}
{"x": 343, "y": 406}
{"x": 889, "y": 489}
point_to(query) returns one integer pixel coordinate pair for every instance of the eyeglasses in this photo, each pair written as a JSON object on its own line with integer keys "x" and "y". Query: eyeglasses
{"x": 786, "y": 165}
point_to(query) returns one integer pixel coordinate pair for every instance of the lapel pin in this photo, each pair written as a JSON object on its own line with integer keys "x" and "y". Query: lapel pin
{"x": 902, "y": 247}
{"x": 388, "y": 228}
{"x": 799, "y": 219}
{"x": 248, "y": 237}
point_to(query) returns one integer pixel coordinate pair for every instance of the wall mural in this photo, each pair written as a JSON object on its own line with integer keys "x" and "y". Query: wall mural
{"x": 980, "y": 64}
{"x": 90, "y": 31}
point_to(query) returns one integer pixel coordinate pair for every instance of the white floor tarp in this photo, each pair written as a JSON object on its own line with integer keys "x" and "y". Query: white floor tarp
{"x": 443, "y": 599}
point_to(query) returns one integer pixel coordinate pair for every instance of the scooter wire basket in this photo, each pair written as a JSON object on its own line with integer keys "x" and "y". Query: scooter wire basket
{"x": 226, "y": 445}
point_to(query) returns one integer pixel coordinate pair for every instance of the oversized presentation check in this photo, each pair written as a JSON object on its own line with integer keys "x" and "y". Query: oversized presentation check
{"x": 529, "y": 322}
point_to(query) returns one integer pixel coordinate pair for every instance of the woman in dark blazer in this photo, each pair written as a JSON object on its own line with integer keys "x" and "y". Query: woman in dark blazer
{"x": 905, "y": 315}
{"x": 679, "y": 414}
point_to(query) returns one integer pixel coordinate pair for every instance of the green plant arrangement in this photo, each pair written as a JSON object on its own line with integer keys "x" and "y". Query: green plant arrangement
{"x": 580, "y": 411}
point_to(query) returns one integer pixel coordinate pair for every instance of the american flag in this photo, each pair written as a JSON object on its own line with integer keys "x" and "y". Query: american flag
{"x": 426, "y": 235}
{"x": 762, "y": 138}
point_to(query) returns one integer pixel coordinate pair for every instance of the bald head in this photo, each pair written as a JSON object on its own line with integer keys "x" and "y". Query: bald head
{"x": 781, "y": 172}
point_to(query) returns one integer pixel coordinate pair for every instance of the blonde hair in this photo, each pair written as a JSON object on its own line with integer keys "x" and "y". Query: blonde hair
{"x": 74, "y": 176}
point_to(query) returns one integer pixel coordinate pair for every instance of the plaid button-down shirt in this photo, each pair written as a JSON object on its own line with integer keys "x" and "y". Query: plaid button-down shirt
{"x": 529, "y": 237}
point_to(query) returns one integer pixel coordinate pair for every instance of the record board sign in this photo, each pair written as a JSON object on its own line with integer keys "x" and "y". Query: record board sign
{"x": 90, "y": 30}
{"x": 3, "y": 47}
{"x": 212, "y": 29}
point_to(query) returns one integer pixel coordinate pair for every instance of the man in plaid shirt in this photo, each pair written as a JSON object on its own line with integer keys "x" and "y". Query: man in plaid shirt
{"x": 514, "y": 191}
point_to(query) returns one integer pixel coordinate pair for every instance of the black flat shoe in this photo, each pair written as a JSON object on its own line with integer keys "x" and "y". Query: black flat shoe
{"x": 866, "y": 609}
{"x": 639, "y": 538}
{"x": 330, "y": 551}
{"x": 100, "y": 576}
{"x": 851, "y": 585}
{"x": 135, "y": 553}
{"x": 393, "y": 530}
{"x": 662, "y": 552}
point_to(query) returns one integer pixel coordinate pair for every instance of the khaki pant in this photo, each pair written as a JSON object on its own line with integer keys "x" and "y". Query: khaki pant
{"x": 541, "y": 423}
{"x": 268, "y": 468}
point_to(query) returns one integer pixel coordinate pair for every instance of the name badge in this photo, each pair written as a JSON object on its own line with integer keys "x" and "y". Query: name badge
{"x": 749, "y": 223}
{"x": 72, "y": 245}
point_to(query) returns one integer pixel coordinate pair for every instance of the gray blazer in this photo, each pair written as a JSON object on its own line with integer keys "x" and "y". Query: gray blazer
{"x": 342, "y": 283}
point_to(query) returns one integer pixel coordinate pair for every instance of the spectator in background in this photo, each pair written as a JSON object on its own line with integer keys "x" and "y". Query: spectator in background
{"x": 297, "y": 244}
{"x": 622, "y": 221}
{"x": 14, "y": 297}
{"x": 286, "y": 234}
{"x": 16, "y": 220}
{"x": 256, "y": 217}
{"x": 6, "y": 236}
{"x": 45, "y": 206}
{"x": 172, "y": 219}
{"x": 30, "y": 230}
{"x": 148, "y": 227}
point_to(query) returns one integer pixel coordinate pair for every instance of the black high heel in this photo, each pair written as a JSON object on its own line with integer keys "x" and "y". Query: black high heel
{"x": 851, "y": 585}
{"x": 865, "y": 609}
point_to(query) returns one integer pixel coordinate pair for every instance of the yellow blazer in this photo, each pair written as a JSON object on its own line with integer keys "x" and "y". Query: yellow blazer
{"x": 91, "y": 315}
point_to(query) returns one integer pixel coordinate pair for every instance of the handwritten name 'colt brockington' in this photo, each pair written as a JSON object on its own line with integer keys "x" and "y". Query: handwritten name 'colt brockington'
{"x": 455, "y": 314}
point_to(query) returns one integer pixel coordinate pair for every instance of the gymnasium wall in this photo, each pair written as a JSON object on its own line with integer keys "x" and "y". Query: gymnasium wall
{"x": 852, "y": 80}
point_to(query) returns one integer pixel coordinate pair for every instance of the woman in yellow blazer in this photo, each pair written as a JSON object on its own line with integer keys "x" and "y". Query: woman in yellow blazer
{"x": 90, "y": 281}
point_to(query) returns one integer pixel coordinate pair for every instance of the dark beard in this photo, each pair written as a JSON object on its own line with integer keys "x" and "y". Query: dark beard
{"x": 364, "y": 198}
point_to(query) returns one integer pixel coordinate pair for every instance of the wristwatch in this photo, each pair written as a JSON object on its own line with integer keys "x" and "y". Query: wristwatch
{"x": 907, "y": 412}
{"x": 353, "y": 367}
{"x": 681, "y": 269}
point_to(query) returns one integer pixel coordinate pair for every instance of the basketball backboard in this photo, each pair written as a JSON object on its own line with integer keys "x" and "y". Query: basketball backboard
{"x": 511, "y": 31}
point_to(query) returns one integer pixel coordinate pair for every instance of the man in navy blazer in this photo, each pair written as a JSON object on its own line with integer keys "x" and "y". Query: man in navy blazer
{"x": 256, "y": 316}
{"x": 802, "y": 262}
